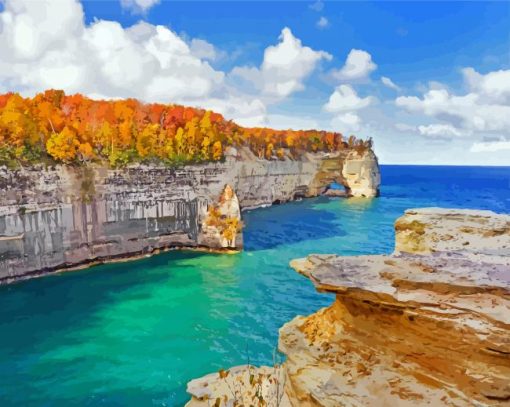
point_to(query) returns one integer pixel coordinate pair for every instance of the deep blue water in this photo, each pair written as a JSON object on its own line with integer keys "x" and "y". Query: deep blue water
{"x": 133, "y": 334}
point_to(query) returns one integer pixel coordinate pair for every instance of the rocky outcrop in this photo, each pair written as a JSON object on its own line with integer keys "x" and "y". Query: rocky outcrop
{"x": 432, "y": 230}
{"x": 240, "y": 386}
{"x": 407, "y": 328}
{"x": 426, "y": 325}
{"x": 222, "y": 224}
{"x": 358, "y": 173}
{"x": 55, "y": 218}
{"x": 361, "y": 174}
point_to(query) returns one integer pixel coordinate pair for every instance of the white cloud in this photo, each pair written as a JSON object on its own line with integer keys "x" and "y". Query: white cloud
{"x": 46, "y": 44}
{"x": 494, "y": 86}
{"x": 469, "y": 111}
{"x": 345, "y": 98}
{"x": 483, "y": 112}
{"x": 439, "y": 131}
{"x": 389, "y": 83}
{"x": 347, "y": 122}
{"x": 284, "y": 68}
{"x": 138, "y": 6}
{"x": 60, "y": 51}
{"x": 490, "y": 146}
{"x": 358, "y": 65}
{"x": 322, "y": 23}
{"x": 203, "y": 49}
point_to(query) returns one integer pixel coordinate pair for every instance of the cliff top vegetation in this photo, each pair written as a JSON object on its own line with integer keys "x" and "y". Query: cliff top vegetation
{"x": 53, "y": 127}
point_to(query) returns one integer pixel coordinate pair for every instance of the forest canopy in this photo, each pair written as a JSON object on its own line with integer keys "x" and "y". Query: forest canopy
{"x": 55, "y": 127}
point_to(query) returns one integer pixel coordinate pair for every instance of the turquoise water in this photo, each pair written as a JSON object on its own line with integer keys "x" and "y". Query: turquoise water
{"x": 133, "y": 334}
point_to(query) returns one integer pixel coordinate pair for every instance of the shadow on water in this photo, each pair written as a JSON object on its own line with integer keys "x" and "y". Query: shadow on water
{"x": 292, "y": 222}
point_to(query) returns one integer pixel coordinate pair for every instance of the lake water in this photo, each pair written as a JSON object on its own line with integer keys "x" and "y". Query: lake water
{"x": 133, "y": 334}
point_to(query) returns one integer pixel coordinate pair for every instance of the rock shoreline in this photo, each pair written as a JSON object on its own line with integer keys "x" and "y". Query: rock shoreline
{"x": 62, "y": 217}
{"x": 426, "y": 325}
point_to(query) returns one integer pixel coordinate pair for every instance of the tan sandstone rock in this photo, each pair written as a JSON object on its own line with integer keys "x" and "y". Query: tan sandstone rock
{"x": 428, "y": 325}
{"x": 222, "y": 223}
{"x": 408, "y": 329}
{"x": 240, "y": 386}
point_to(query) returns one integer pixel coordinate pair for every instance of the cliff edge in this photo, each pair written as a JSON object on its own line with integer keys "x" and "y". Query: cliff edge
{"x": 426, "y": 325}
{"x": 60, "y": 217}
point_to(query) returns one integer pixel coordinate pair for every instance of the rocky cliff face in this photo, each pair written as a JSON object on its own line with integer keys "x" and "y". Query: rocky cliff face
{"x": 410, "y": 329}
{"x": 427, "y": 325}
{"x": 67, "y": 216}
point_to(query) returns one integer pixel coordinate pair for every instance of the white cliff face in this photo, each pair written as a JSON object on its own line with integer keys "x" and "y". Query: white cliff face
{"x": 361, "y": 174}
{"x": 54, "y": 218}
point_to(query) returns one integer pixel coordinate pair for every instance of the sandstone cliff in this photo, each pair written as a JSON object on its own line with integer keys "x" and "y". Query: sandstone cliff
{"x": 53, "y": 218}
{"x": 427, "y": 325}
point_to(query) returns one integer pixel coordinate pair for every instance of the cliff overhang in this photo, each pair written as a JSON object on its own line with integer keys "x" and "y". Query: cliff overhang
{"x": 426, "y": 325}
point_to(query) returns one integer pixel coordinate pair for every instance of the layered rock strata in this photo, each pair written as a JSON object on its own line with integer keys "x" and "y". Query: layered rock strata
{"x": 426, "y": 325}
{"x": 55, "y": 218}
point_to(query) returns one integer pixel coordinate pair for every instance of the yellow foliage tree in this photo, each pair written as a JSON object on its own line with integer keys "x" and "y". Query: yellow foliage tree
{"x": 86, "y": 152}
{"x": 269, "y": 151}
{"x": 147, "y": 139}
{"x": 103, "y": 138}
{"x": 205, "y": 148}
{"x": 63, "y": 146}
{"x": 217, "y": 151}
{"x": 179, "y": 141}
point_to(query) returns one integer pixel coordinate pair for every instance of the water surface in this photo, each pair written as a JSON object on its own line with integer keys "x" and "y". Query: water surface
{"x": 133, "y": 334}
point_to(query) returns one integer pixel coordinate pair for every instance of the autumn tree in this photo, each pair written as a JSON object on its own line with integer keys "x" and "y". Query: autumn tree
{"x": 217, "y": 151}
{"x": 63, "y": 146}
{"x": 76, "y": 128}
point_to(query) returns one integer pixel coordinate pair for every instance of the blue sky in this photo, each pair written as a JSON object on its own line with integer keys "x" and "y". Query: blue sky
{"x": 446, "y": 65}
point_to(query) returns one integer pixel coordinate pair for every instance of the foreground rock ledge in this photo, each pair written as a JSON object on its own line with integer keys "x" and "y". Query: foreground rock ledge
{"x": 408, "y": 328}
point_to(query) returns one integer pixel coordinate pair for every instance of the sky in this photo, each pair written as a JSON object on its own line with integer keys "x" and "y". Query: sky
{"x": 428, "y": 81}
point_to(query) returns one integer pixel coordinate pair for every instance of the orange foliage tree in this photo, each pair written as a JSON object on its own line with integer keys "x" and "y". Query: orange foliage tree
{"x": 74, "y": 129}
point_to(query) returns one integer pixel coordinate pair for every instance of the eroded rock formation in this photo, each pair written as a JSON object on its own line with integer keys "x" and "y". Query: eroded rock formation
{"x": 407, "y": 328}
{"x": 426, "y": 325}
{"x": 222, "y": 224}
{"x": 53, "y": 218}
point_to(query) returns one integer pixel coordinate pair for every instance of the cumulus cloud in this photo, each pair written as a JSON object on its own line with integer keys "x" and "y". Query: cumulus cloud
{"x": 347, "y": 122}
{"x": 358, "y": 65}
{"x": 203, "y": 49}
{"x": 322, "y": 23}
{"x": 46, "y": 44}
{"x": 60, "y": 51}
{"x": 469, "y": 111}
{"x": 483, "y": 112}
{"x": 284, "y": 68}
{"x": 495, "y": 86}
{"x": 345, "y": 98}
{"x": 389, "y": 83}
{"x": 138, "y": 6}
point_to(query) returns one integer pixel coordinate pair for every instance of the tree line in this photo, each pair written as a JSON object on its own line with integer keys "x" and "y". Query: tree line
{"x": 55, "y": 127}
